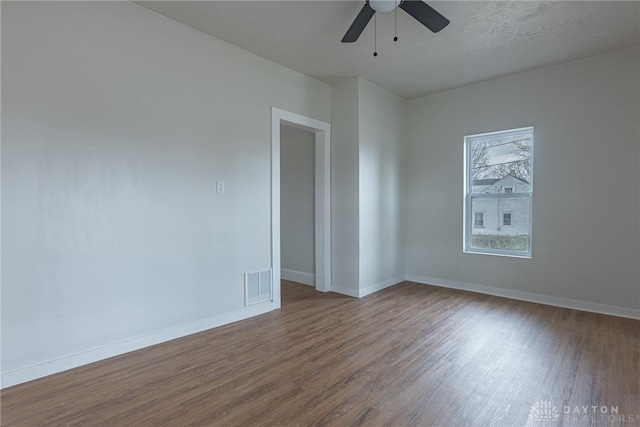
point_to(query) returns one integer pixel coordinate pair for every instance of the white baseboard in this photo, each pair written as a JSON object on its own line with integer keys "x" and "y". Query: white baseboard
{"x": 380, "y": 286}
{"x": 530, "y": 297}
{"x": 344, "y": 291}
{"x": 298, "y": 276}
{"x": 367, "y": 290}
{"x": 71, "y": 361}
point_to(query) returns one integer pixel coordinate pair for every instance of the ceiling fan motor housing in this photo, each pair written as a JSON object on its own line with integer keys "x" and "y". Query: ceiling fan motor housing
{"x": 384, "y": 6}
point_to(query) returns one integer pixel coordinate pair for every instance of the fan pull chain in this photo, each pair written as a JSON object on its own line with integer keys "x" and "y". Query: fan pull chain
{"x": 375, "y": 35}
{"x": 395, "y": 24}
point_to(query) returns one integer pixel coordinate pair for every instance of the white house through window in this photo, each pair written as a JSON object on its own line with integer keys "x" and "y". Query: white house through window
{"x": 498, "y": 192}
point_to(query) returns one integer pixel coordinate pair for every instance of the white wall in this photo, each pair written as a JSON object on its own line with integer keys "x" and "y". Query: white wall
{"x": 367, "y": 185}
{"x": 381, "y": 179}
{"x": 117, "y": 123}
{"x": 586, "y": 183}
{"x": 344, "y": 188}
{"x": 297, "y": 194}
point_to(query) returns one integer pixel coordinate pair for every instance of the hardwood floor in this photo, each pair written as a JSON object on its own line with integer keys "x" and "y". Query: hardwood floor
{"x": 409, "y": 355}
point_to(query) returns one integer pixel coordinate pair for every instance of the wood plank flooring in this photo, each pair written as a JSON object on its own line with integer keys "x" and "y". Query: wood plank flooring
{"x": 410, "y": 355}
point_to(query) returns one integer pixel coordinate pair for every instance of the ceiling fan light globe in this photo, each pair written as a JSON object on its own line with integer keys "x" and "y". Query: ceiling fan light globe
{"x": 383, "y": 6}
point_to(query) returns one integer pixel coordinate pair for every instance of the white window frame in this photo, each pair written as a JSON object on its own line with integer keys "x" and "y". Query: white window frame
{"x": 474, "y": 219}
{"x": 468, "y": 196}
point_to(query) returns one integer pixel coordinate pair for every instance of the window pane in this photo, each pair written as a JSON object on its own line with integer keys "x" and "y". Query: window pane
{"x": 506, "y": 219}
{"x": 505, "y": 224}
{"x": 501, "y": 163}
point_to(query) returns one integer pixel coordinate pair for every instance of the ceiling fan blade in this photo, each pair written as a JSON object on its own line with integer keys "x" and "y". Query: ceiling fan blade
{"x": 425, "y": 14}
{"x": 358, "y": 25}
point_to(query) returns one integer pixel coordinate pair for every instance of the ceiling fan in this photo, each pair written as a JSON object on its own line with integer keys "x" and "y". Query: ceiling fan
{"x": 418, "y": 9}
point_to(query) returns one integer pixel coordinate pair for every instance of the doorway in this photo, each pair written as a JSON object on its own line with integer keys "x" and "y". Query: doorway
{"x": 322, "y": 211}
{"x": 297, "y": 202}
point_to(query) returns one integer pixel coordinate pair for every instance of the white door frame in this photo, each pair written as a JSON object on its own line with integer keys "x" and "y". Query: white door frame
{"x": 322, "y": 132}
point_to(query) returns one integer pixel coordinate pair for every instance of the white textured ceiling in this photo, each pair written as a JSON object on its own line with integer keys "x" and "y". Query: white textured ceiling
{"x": 484, "y": 40}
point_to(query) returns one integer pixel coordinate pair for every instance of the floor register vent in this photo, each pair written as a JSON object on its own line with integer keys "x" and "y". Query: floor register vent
{"x": 257, "y": 287}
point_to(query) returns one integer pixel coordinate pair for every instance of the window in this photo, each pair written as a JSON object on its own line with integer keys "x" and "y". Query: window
{"x": 506, "y": 219}
{"x": 498, "y": 192}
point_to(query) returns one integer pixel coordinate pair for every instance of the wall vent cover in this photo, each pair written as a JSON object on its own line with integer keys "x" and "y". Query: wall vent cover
{"x": 257, "y": 287}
